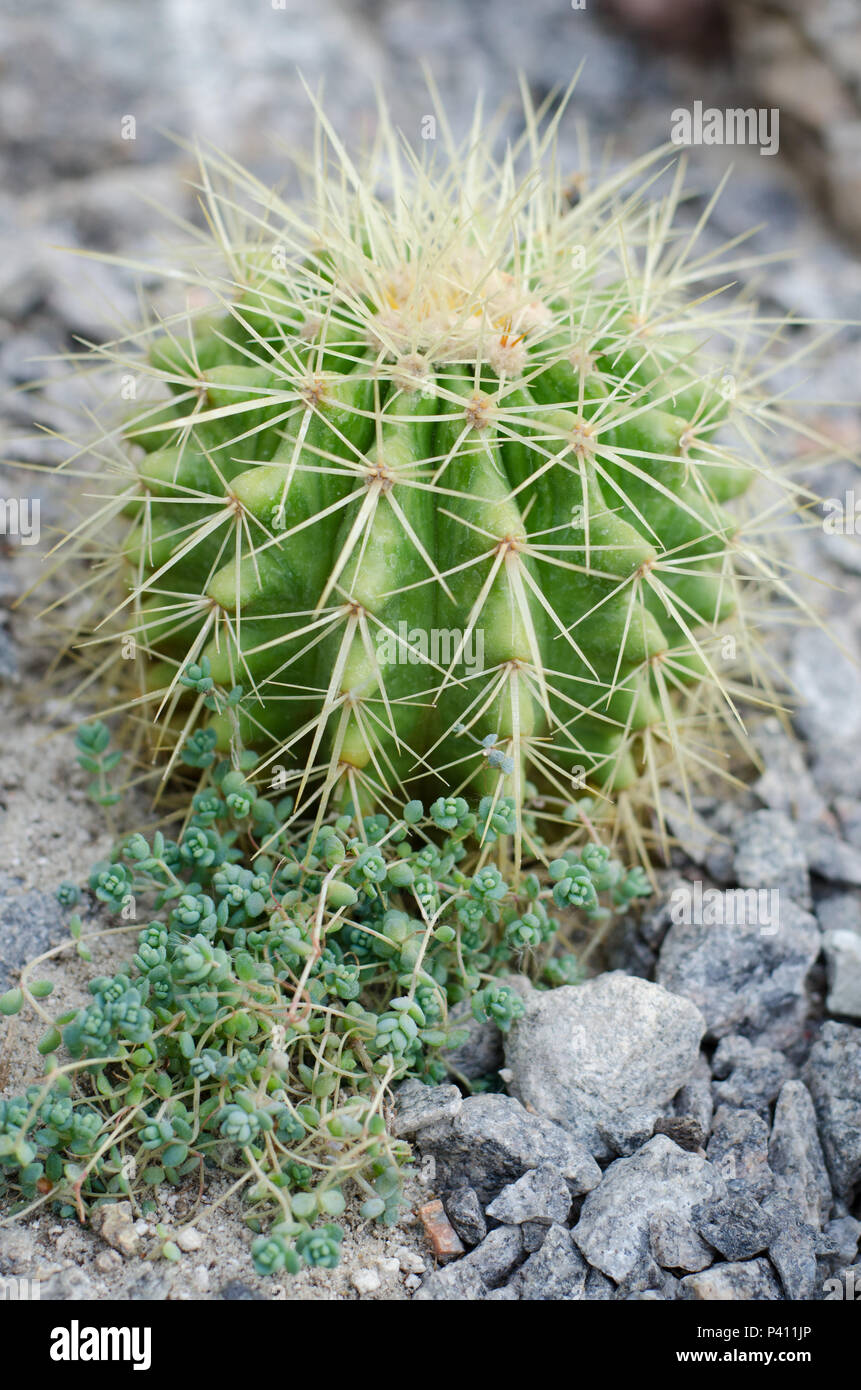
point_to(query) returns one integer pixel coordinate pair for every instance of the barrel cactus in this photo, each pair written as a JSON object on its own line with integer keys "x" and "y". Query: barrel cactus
{"x": 445, "y": 470}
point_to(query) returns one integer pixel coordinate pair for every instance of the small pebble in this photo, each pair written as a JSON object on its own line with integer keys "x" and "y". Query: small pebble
{"x": 365, "y": 1280}
{"x": 410, "y": 1261}
{"x": 189, "y": 1239}
{"x": 412, "y": 1282}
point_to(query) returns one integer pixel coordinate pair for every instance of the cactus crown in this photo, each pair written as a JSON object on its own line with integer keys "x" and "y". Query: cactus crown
{"x": 449, "y": 469}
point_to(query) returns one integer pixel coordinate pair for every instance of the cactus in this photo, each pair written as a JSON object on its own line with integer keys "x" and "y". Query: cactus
{"x": 447, "y": 471}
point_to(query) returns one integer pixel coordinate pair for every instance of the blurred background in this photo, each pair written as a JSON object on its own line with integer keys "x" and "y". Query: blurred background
{"x": 227, "y": 71}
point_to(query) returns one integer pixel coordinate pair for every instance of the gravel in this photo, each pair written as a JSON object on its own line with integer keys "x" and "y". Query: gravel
{"x": 613, "y": 1230}
{"x": 493, "y": 1140}
{"x": 833, "y": 1077}
{"x": 743, "y": 978}
{"x": 745, "y": 1281}
{"x": 541, "y": 1195}
{"x": 604, "y": 1058}
{"x": 795, "y": 1154}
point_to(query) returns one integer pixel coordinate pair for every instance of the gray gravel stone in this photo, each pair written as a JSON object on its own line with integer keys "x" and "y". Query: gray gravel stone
{"x": 67, "y": 1284}
{"x": 786, "y": 784}
{"x": 17, "y": 1250}
{"x": 738, "y": 1148}
{"x": 833, "y": 1076}
{"x": 843, "y": 964}
{"x": 795, "y": 1154}
{"x": 840, "y": 912}
{"x": 533, "y": 1233}
{"x": 695, "y": 1098}
{"x": 540, "y": 1195}
{"x": 769, "y": 854}
{"x": 464, "y": 1212}
{"x": 848, "y": 810}
{"x": 496, "y": 1256}
{"x": 748, "y": 1281}
{"x": 826, "y": 705}
{"x": 736, "y": 1226}
{"x": 676, "y": 1245}
{"x": 613, "y": 1232}
{"x": 234, "y": 1291}
{"x": 599, "y": 1289}
{"x": 792, "y": 1248}
{"x": 752, "y": 1076}
{"x": 417, "y": 1106}
{"x": 493, "y": 1140}
{"x": 839, "y": 1240}
{"x": 694, "y": 835}
{"x": 603, "y": 1058}
{"x": 744, "y": 978}
{"x": 832, "y": 858}
{"x": 457, "y": 1283}
{"x": 30, "y": 923}
{"x": 557, "y": 1272}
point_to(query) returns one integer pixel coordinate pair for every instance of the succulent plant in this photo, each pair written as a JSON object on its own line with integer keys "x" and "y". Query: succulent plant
{"x": 442, "y": 475}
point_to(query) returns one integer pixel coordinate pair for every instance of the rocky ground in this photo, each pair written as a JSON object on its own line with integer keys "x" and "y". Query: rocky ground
{"x": 709, "y": 1145}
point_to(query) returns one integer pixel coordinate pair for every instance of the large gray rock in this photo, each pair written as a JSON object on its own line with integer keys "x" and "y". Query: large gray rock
{"x": 795, "y": 1154}
{"x": 616, "y": 1220}
{"x": 747, "y": 978}
{"x": 833, "y": 1076}
{"x": 604, "y": 1058}
{"x": 493, "y": 1140}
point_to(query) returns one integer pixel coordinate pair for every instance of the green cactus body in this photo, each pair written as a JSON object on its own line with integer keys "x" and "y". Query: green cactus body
{"x": 444, "y": 499}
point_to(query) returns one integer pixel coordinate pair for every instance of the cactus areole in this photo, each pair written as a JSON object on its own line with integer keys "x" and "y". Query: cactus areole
{"x": 440, "y": 468}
